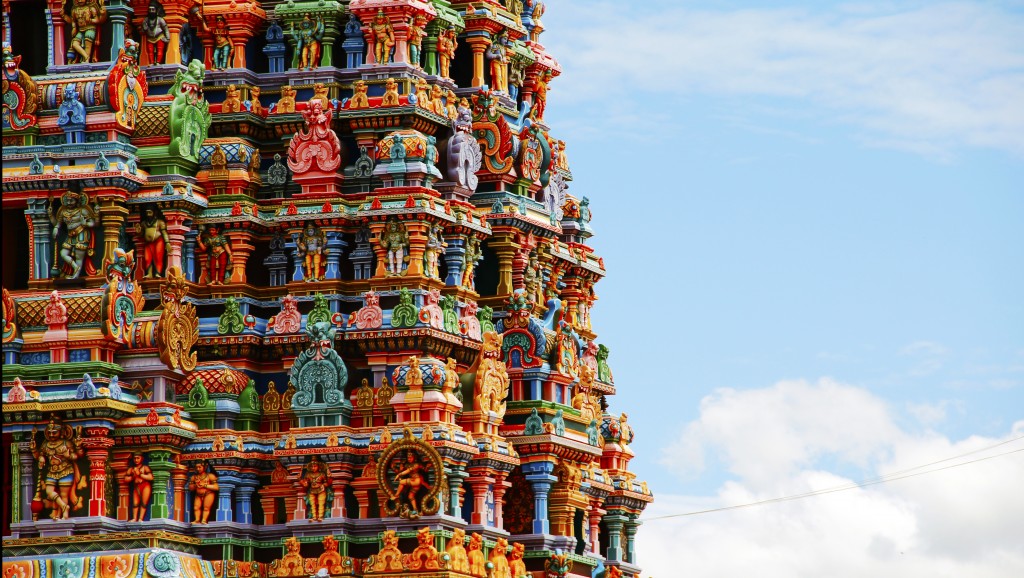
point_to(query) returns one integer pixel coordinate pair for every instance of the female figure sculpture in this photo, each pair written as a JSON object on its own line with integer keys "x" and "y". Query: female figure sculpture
{"x": 204, "y": 487}
{"x": 140, "y": 477}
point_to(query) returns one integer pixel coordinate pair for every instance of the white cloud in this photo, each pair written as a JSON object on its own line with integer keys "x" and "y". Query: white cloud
{"x": 963, "y": 521}
{"x": 926, "y": 77}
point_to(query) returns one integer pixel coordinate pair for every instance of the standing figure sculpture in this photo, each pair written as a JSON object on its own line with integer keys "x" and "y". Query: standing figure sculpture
{"x": 153, "y": 231}
{"x": 497, "y": 54}
{"x": 140, "y": 477}
{"x": 416, "y": 33}
{"x": 540, "y": 95}
{"x": 470, "y": 257}
{"x": 308, "y": 40}
{"x": 76, "y": 252}
{"x": 218, "y": 251}
{"x": 204, "y": 488}
{"x": 395, "y": 240}
{"x": 383, "y": 37}
{"x": 316, "y": 482}
{"x": 85, "y": 18}
{"x": 435, "y": 248}
{"x": 446, "y": 45}
{"x": 411, "y": 479}
{"x": 59, "y": 478}
{"x": 221, "y": 42}
{"x": 311, "y": 246}
{"x": 156, "y": 31}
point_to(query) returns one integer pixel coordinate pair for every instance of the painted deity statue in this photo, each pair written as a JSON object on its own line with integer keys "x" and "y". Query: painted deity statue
{"x": 139, "y": 478}
{"x": 497, "y": 54}
{"x": 458, "y": 559}
{"x": 204, "y": 488}
{"x": 20, "y": 97}
{"x": 78, "y": 220}
{"x": 435, "y": 248}
{"x": 492, "y": 381}
{"x": 383, "y": 37}
{"x": 85, "y": 18}
{"x": 476, "y": 555}
{"x": 411, "y": 479}
{"x": 416, "y": 33}
{"x": 471, "y": 256}
{"x": 153, "y": 231}
{"x": 499, "y": 560}
{"x": 59, "y": 477}
{"x": 395, "y": 240}
{"x": 308, "y": 39}
{"x": 154, "y": 26}
{"x": 540, "y": 95}
{"x": 316, "y": 482}
{"x": 221, "y": 42}
{"x": 218, "y": 251}
{"x": 446, "y": 45}
{"x": 311, "y": 246}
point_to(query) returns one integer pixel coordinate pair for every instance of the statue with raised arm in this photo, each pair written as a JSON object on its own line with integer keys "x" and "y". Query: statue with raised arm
{"x": 78, "y": 220}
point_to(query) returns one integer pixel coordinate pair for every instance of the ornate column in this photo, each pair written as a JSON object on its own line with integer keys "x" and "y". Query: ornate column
{"x": 117, "y": 12}
{"x": 454, "y": 257}
{"x": 162, "y": 465}
{"x": 112, "y": 216}
{"x": 455, "y": 478}
{"x": 479, "y": 41}
{"x": 227, "y": 481}
{"x": 540, "y": 478}
{"x": 178, "y": 479}
{"x": 97, "y": 448}
{"x": 481, "y": 484}
{"x": 176, "y": 231}
{"x": 500, "y": 486}
{"x": 119, "y": 463}
{"x": 41, "y": 231}
{"x": 335, "y": 248}
{"x": 632, "y": 525}
{"x": 241, "y": 248}
{"x": 614, "y": 523}
{"x": 58, "y": 48}
{"x": 243, "y": 500}
{"x": 189, "y": 255}
{"x": 595, "y": 525}
{"x": 506, "y": 249}
{"x": 27, "y": 481}
{"x": 340, "y": 477}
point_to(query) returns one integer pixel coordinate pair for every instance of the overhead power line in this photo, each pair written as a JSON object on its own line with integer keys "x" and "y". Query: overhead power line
{"x": 893, "y": 476}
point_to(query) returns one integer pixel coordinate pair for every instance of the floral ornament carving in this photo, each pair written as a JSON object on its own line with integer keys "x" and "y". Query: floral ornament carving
{"x": 464, "y": 155}
{"x": 123, "y": 298}
{"x": 318, "y": 146}
{"x": 425, "y": 556}
{"x": 126, "y": 85}
{"x": 370, "y": 316}
{"x": 10, "y": 317}
{"x": 389, "y": 559}
{"x": 163, "y": 564}
{"x": 321, "y": 312}
{"x": 604, "y": 372}
{"x": 405, "y": 313}
{"x": 493, "y": 133}
{"x": 319, "y": 368}
{"x": 410, "y": 473}
{"x": 20, "y": 95}
{"x": 230, "y": 321}
{"x": 56, "y": 312}
{"x": 492, "y": 381}
{"x": 430, "y": 313}
{"x": 178, "y": 327}
{"x": 469, "y": 325}
{"x": 289, "y": 320}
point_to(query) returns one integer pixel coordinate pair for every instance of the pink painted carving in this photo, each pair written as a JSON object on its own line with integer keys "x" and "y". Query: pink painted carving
{"x": 289, "y": 319}
{"x": 318, "y": 146}
{"x": 56, "y": 312}
{"x": 370, "y": 315}
{"x": 431, "y": 313}
{"x": 469, "y": 325}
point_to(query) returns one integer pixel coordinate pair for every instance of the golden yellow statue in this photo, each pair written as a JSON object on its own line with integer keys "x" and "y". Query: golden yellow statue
{"x": 383, "y": 37}
{"x": 585, "y": 401}
{"x": 476, "y": 555}
{"x": 500, "y": 560}
{"x": 330, "y": 559}
{"x": 437, "y": 100}
{"x": 59, "y": 478}
{"x": 491, "y": 385}
{"x": 254, "y": 99}
{"x": 84, "y": 18}
{"x": 424, "y": 557}
{"x": 287, "y": 101}
{"x": 320, "y": 93}
{"x": 451, "y": 108}
{"x": 311, "y": 247}
{"x": 446, "y": 45}
{"x": 292, "y": 563}
{"x": 204, "y": 488}
{"x": 423, "y": 95}
{"x": 359, "y": 98}
{"x": 316, "y": 482}
{"x": 458, "y": 560}
{"x": 232, "y": 99}
{"x": 516, "y": 566}
{"x": 390, "y": 93}
{"x": 389, "y": 559}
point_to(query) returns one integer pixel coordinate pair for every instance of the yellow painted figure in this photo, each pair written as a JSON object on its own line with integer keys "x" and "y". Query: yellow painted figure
{"x": 59, "y": 478}
{"x": 315, "y": 482}
{"x": 204, "y": 487}
{"x": 84, "y": 18}
{"x": 383, "y": 37}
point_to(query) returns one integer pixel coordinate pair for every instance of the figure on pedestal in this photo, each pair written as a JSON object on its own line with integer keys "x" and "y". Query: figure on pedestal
{"x": 476, "y": 555}
{"x": 473, "y": 253}
{"x": 85, "y": 17}
{"x": 359, "y": 97}
{"x": 497, "y": 54}
{"x": 435, "y": 248}
{"x": 59, "y": 478}
{"x": 308, "y": 40}
{"x": 446, "y": 45}
{"x": 157, "y": 33}
{"x": 316, "y": 483}
{"x": 232, "y": 103}
{"x": 286, "y": 103}
{"x": 458, "y": 560}
{"x": 383, "y": 37}
{"x": 218, "y": 250}
{"x": 416, "y": 34}
{"x": 311, "y": 246}
{"x": 222, "y": 48}
{"x": 204, "y": 488}
{"x": 78, "y": 219}
{"x": 140, "y": 478}
{"x": 395, "y": 240}
{"x": 153, "y": 231}
{"x": 540, "y": 95}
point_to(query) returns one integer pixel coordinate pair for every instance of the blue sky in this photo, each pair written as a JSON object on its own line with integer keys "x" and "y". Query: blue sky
{"x": 802, "y": 206}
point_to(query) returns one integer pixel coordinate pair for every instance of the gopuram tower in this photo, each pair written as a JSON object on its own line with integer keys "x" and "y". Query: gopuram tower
{"x": 297, "y": 288}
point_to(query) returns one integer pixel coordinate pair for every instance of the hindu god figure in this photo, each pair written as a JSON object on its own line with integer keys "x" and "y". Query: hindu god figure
{"x": 383, "y": 37}
{"x": 308, "y": 40}
{"x": 540, "y": 95}
{"x": 473, "y": 252}
{"x": 395, "y": 239}
{"x": 497, "y": 54}
{"x": 218, "y": 250}
{"x": 85, "y": 17}
{"x": 153, "y": 231}
{"x": 446, "y": 45}
{"x": 140, "y": 478}
{"x": 458, "y": 560}
{"x": 411, "y": 479}
{"x": 476, "y": 555}
{"x": 311, "y": 247}
{"x": 59, "y": 478}
{"x": 204, "y": 488}
{"x": 416, "y": 34}
{"x": 221, "y": 42}
{"x": 78, "y": 220}
{"x": 157, "y": 33}
{"x": 316, "y": 482}
{"x": 435, "y": 248}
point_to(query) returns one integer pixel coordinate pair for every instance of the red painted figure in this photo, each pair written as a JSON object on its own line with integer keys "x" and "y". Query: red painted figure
{"x": 153, "y": 230}
{"x": 218, "y": 254}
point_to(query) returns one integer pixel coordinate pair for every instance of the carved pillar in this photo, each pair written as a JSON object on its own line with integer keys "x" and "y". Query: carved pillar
{"x": 455, "y": 478}
{"x": 176, "y": 231}
{"x": 227, "y": 481}
{"x": 241, "y": 248}
{"x": 189, "y": 255}
{"x": 112, "y": 217}
{"x": 614, "y": 523}
{"x": 631, "y": 528}
{"x": 454, "y": 256}
{"x": 479, "y": 45}
{"x": 481, "y": 484}
{"x": 97, "y": 448}
{"x": 292, "y": 248}
{"x": 119, "y": 463}
{"x": 243, "y": 499}
{"x": 335, "y": 248}
{"x": 595, "y": 526}
{"x": 25, "y": 464}
{"x": 58, "y": 47}
{"x": 117, "y": 12}
{"x": 339, "y": 480}
{"x": 500, "y": 487}
{"x": 178, "y": 479}
{"x": 430, "y": 65}
{"x": 41, "y": 231}
{"x": 540, "y": 478}
{"x": 417, "y": 246}
{"x": 506, "y": 251}
{"x": 162, "y": 466}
